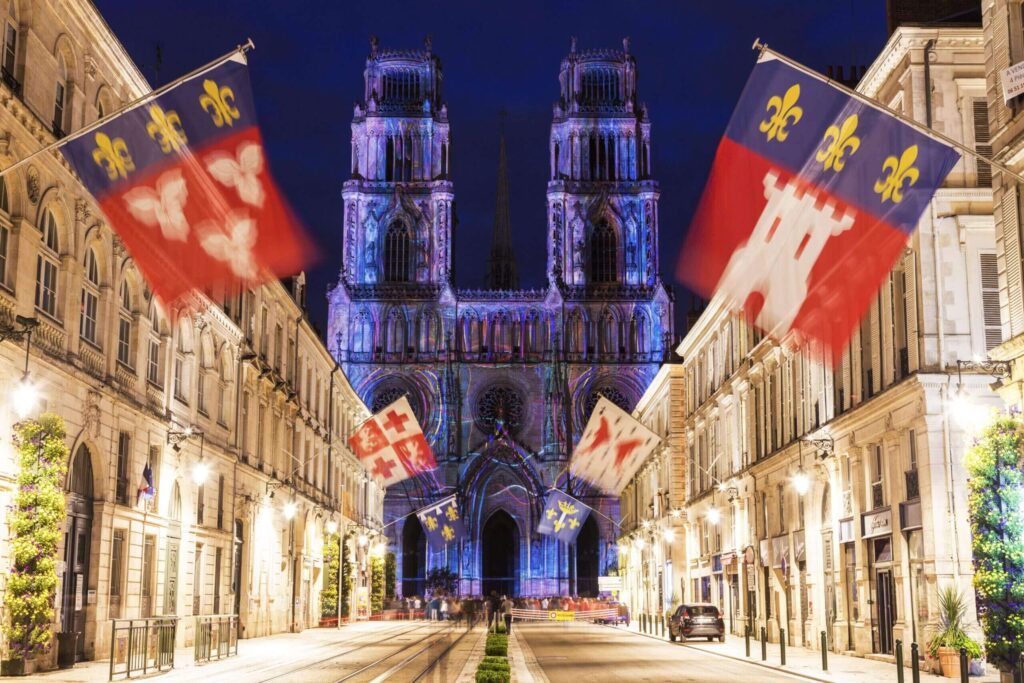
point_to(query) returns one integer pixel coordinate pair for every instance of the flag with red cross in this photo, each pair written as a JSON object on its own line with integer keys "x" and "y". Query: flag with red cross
{"x": 391, "y": 444}
{"x": 612, "y": 448}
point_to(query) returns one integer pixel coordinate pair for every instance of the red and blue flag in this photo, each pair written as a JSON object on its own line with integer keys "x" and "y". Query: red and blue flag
{"x": 183, "y": 179}
{"x": 811, "y": 199}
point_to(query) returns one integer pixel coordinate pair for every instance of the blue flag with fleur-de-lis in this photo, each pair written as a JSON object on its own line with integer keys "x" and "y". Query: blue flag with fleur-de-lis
{"x": 442, "y": 522}
{"x": 563, "y": 516}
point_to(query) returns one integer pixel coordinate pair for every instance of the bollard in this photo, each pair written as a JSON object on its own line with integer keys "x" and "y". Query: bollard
{"x": 963, "y": 665}
{"x": 1020, "y": 668}
{"x": 824, "y": 652}
{"x": 661, "y": 619}
{"x": 899, "y": 661}
{"x": 643, "y": 623}
{"x": 782, "y": 646}
{"x": 764, "y": 644}
{"x": 746, "y": 638}
{"x": 915, "y": 665}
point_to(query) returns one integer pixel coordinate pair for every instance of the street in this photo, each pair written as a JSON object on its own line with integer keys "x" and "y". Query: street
{"x": 580, "y": 653}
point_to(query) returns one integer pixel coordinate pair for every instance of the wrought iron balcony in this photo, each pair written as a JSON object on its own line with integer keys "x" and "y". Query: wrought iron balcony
{"x": 913, "y": 484}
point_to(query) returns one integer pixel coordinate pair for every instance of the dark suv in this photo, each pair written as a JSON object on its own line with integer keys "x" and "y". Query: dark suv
{"x": 694, "y": 621}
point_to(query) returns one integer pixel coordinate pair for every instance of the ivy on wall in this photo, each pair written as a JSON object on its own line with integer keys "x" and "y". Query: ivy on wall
{"x": 346, "y": 578}
{"x": 35, "y": 522}
{"x": 329, "y": 593}
{"x": 995, "y": 466}
{"x": 376, "y": 584}
{"x": 389, "y": 576}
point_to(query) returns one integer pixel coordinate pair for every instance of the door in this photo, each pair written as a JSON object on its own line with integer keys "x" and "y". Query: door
{"x": 77, "y": 550}
{"x": 171, "y": 576}
{"x": 886, "y": 611}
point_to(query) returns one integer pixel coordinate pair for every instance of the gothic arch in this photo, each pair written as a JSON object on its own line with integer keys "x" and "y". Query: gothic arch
{"x": 398, "y": 252}
{"x": 604, "y": 251}
{"x": 395, "y": 331}
{"x": 54, "y": 202}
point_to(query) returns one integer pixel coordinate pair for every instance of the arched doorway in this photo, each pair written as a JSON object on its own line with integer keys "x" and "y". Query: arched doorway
{"x": 500, "y": 561}
{"x": 414, "y": 557}
{"x": 77, "y": 540}
{"x": 173, "y": 552}
{"x": 587, "y": 559}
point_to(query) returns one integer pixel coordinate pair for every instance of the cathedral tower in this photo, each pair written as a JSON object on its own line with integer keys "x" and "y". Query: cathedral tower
{"x": 602, "y": 204}
{"x": 501, "y": 267}
{"x": 398, "y": 204}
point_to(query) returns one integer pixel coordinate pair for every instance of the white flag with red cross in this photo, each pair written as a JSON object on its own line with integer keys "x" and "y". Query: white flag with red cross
{"x": 612, "y": 448}
{"x": 391, "y": 445}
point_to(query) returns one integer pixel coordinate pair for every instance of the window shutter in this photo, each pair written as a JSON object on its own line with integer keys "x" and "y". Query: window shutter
{"x": 1011, "y": 251}
{"x": 1001, "y": 57}
{"x": 982, "y": 140}
{"x": 910, "y": 301}
{"x": 990, "y": 300}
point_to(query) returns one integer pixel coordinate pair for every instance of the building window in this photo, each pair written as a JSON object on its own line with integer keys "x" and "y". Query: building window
{"x": 116, "y": 572}
{"x": 124, "y": 446}
{"x": 396, "y": 253}
{"x": 90, "y": 298}
{"x": 261, "y": 417}
{"x": 877, "y": 488}
{"x": 603, "y": 253}
{"x": 153, "y": 366}
{"x": 990, "y": 300}
{"x": 244, "y": 426}
{"x": 218, "y": 557}
{"x": 124, "y": 327}
{"x": 780, "y": 493}
{"x": 148, "y": 574}
{"x": 179, "y": 378}
{"x": 47, "y": 267}
{"x": 60, "y": 99}
{"x": 220, "y": 502}
{"x": 197, "y": 580}
{"x": 10, "y": 55}
{"x": 201, "y": 391}
{"x": 910, "y": 476}
{"x": 200, "y": 504}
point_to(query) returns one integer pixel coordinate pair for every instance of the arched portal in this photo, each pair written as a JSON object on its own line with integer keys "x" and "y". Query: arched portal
{"x": 414, "y": 557}
{"x": 500, "y": 557}
{"x": 587, "y": 559}
{"x": 77, "y": 541}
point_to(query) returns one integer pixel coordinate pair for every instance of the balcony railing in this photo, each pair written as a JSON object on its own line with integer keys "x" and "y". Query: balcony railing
{"x": 141, "y": 646}
{"x": 10, "y": 81}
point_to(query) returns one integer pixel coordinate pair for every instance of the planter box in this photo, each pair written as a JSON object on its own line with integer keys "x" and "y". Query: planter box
{"x": 949, "y": 660}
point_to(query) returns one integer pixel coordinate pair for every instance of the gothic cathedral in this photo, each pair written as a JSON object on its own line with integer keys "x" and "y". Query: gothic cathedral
{"x": 502, "y": 379}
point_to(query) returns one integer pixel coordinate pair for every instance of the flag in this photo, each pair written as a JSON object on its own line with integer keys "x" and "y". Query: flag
{"x": 612, "y": 447}
{"x": 441, "y": 522}
{"x": 183, "y": 180}
{"x": 146, "y": 490}
{"x": 392, "y": 446}
{"x": 563, "y": 516}
{"x": 810, "y": 201}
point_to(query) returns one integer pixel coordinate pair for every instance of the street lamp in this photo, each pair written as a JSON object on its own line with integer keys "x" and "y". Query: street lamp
{"x": 289, "y": 509}
{"x": 26, "y": 394}
{"x": 801, "y": 482}
{"x": 176, "y": 437}
{"x": 669, "y": 535}
{"x": 331, "y": 527}
{"x": 200, "y": 472}
{"x": 714, "y": 516}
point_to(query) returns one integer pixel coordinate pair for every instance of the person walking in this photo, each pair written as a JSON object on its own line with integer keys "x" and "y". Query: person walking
{"x": 444, "y": 609}
{"x": 506, "y": 613}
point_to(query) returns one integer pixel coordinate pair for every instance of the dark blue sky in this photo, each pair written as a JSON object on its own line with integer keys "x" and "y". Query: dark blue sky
{"x": 693, "y": 58}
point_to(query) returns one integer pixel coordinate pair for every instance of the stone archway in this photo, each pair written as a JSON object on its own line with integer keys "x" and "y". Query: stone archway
{"x": 499, "y": 561}
{"x": 414, "y": 557}
{"x": 588, "y": 559}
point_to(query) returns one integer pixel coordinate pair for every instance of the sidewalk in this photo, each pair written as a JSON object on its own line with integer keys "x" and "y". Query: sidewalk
{"x": 806, "y": 663}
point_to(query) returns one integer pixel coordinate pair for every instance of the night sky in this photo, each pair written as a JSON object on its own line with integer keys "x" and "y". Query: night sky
{"x": 307, "y": 71}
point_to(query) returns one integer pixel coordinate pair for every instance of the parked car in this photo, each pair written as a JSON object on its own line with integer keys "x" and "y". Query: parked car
{"x": 694, "y": 621}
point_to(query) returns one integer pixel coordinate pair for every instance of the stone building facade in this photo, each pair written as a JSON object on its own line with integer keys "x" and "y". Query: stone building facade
{"x": 831, "y": 496}
{"x": 239, "y": 411}
{"x": 502, "y": 380}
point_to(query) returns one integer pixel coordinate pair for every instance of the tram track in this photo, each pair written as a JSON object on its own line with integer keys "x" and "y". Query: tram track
{"x": 396, "y": 670}
{"x": 371, "y": 640}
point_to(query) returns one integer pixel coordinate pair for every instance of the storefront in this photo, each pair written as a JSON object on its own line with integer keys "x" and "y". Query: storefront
{"x": 876, "y": 530}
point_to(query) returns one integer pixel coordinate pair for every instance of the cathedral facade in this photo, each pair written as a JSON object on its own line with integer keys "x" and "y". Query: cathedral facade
{"x": 502, "y": 379}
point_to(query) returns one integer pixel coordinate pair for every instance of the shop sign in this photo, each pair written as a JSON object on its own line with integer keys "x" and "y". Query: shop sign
{"x": 846, "y": 530}
{"x": 910, "y": 515}
{"x": 876, "y": 523}
{"x": 751, "y": 577}
{"x": 1013, "y": 81}
{"x": 607, "y": 584}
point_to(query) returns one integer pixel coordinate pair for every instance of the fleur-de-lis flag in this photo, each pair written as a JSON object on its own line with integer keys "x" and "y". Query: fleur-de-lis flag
{"x": 183, "y": 180}
{"x": 563, "y": 516}
{"x": 442, "y": 522}
{"x": 810, "y": 201}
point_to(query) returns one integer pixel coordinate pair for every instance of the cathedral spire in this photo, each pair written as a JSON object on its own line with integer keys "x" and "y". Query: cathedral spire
{"x": 501, "y": 267}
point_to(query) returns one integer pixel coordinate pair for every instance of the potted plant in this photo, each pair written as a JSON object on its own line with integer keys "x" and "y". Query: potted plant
{"x": 945, "y": 644}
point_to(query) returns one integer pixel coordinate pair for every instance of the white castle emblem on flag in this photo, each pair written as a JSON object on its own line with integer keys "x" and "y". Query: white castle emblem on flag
{"x": 777, "y": 259}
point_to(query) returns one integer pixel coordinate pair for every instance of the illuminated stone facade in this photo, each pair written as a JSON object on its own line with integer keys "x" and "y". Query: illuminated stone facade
{"x": 502, "y": 380}
{"x": 252, "y": 376}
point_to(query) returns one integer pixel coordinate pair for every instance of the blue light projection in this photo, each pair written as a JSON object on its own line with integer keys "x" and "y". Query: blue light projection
{"x": 503, "y": 380}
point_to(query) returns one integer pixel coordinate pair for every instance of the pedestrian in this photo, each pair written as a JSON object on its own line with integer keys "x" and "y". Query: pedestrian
{"x": 444, "y": 609}
{"x": 544, "y": 604}
{"x": 493, "y": 604}
{"x": 506, "y": 612}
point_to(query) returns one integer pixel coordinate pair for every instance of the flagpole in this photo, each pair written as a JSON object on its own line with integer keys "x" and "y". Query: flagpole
{"x": 930, "y": 132}
{"x": 152, "y": 94}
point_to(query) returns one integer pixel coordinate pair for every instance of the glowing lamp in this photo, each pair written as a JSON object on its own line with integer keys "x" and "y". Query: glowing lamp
{"x": 640, "y": 543}
{"x": 332, "y": 526}
{"x": 801, "y": 482}
{"x": 200, "y": 472}
{"x": 379, "y": 549}
{"x": 669, "y": 535}
{"x": 363, "y": 540}
{"x": 289, "y": 510}
{"x": 677, "y": 513}
{"x": 714, "y": 516}
{"x": 25, "y": 397}
{"x": 623, "y": 548}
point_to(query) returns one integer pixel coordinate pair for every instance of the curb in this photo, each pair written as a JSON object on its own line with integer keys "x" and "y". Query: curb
{"x": 764, "y": 665}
